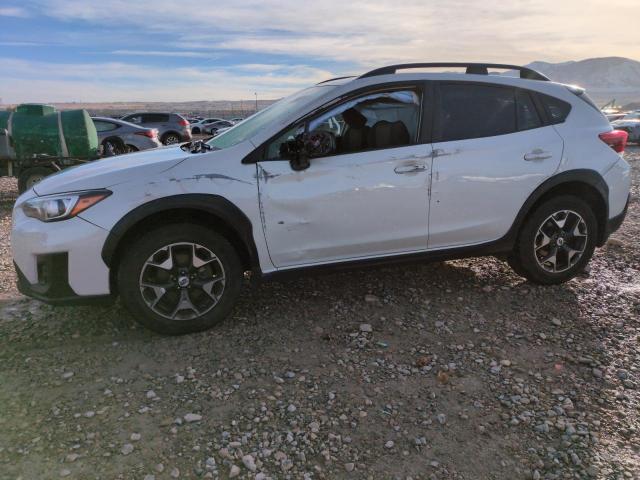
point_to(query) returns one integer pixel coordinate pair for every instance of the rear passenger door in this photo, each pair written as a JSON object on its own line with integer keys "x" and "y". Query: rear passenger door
{"x": 492, "y": 148}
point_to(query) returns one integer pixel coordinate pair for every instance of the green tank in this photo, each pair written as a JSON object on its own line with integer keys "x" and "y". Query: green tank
{"x": 40, "y": 131}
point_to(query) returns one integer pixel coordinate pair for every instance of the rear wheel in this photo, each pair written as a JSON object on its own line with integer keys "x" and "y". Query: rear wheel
{"x": 180, "y": 278}
{"x": 30, "y": 176}
{"x": 113, "y": 146}
{"x": 556, "y": 241}
{"x": 171, "y": 138}
{"x": 131, "y": 148}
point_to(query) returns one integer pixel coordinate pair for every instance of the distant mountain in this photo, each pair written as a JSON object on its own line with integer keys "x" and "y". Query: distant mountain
{"x": 604, "y": 78}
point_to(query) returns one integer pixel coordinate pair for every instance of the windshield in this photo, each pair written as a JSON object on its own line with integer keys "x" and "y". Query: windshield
{"x": 273, "y": 114}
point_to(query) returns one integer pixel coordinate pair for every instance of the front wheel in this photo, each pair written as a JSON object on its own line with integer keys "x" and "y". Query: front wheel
{"x": 556, "y": 241}
{"x": 180, "y": 279}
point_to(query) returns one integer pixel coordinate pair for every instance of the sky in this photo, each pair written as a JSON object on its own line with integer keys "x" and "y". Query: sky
{"x": 180, "y": 50}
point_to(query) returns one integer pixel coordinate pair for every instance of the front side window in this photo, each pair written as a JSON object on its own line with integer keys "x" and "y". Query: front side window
{"x": 474, "y": 111}
{"x": 373, "y": 121}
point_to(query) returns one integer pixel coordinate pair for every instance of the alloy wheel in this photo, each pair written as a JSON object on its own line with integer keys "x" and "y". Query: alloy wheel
{"x": 560, "y": 241}
{"x": 182, "y": 281}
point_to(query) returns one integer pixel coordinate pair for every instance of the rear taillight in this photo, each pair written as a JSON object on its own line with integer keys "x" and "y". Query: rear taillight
{"x": 616, "y": 139}
{"x": 148, "y": 133}
{"x": 183, "y": 123}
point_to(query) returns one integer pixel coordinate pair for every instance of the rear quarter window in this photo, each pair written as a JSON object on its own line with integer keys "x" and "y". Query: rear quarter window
{"x": 557, "y": 110}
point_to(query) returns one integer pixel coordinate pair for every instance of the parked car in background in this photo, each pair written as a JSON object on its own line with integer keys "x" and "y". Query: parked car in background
{"x": 199, "y": 126}
{"x": 630, "y": 123}
{"x": 389, "y": 166}
{"x": 213, "y": 128}
{"x": 171, "y": 127}
{"x": 237, "y": 120}
{"x": 612, "y": 117}
{"x": 220, "y": 131}
{"x": 118, "y": 136}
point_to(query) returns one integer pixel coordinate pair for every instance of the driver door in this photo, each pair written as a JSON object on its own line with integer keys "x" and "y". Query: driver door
{"x": 364, "y": 194}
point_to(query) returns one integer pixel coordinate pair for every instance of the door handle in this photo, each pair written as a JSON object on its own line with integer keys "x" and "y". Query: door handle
{"x": 409, "y": 169}
{"x": 537, "y": 154}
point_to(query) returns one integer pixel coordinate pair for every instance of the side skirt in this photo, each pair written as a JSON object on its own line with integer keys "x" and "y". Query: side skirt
{"x": 495, "y": 248}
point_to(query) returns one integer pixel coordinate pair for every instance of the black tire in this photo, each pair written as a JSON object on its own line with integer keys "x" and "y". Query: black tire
{"x": 195, "y": 130}
{"x": 131, "y": 272}
{"x": 30, "y": 176}
{"x": 523, "y": 259}
{"x": 171, "y": 138}
{"x": 131, "y": 148}
{"x": 115, "y": 144}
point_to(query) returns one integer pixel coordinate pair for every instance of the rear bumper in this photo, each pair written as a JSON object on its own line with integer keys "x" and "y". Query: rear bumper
{"x": 614, "y": 223}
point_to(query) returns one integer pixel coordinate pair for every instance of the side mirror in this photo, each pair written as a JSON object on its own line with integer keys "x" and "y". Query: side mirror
{"x": 296, "y": 152}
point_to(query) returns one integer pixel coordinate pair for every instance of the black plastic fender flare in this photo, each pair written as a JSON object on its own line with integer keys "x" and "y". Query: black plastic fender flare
{"x": 211, "y": 204}
{"x": 583, "y": 175}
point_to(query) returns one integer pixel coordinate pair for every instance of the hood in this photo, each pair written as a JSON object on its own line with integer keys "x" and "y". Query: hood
{"x": 111, "y": 171}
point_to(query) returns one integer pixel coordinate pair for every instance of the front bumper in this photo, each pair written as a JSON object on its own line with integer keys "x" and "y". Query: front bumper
{"x": 53, "y": 283}
{"x": 59, "y": 262}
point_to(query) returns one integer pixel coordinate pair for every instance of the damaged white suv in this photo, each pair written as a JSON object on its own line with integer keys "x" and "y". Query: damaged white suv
{"x": 385, "y": 167}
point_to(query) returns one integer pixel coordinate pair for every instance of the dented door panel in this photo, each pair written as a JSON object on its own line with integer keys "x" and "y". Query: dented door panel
{"x": 346, "y": 206}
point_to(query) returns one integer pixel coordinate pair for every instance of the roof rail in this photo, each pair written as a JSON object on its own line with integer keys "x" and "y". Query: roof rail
{"x": 335, "y": 78}
{"x": 472, "y": 68}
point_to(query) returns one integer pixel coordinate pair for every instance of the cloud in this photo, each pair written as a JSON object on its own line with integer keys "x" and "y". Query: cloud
{"x": 24, "y": 81}
{"x": 21, "y": 44}
{"x": 162, "y": 53}
{"x": 275, "y": 47}
{"x": 13, "y": 12}
{"x": 366, "y": 32}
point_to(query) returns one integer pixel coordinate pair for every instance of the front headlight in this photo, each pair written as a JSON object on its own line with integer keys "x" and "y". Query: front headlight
{"x": 52, "y": 208}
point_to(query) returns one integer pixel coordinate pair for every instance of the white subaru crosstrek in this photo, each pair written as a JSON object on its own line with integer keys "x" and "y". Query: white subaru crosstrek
{"x": 385, "y": 167}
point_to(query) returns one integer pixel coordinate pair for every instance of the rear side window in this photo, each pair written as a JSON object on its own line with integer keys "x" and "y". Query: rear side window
{"x": 557, "y": 110}
{"x": 155, "y": 118}
{"x": 528, "y": 117}
{"x": 475, "y": 111}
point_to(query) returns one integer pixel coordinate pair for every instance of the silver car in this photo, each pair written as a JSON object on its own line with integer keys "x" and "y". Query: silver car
{"x": 213, "y": 127}
{"x": 172, "y": 128}
{"x": 118, "y": 137}
{"x": 630, "y": 123}
{"x": 199, "y": 126}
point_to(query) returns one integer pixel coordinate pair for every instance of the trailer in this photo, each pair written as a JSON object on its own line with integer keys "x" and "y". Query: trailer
{"x": 36, "y": 141}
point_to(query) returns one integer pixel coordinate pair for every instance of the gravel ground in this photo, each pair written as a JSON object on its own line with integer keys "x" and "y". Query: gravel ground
{"x": 456, "y": 370}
